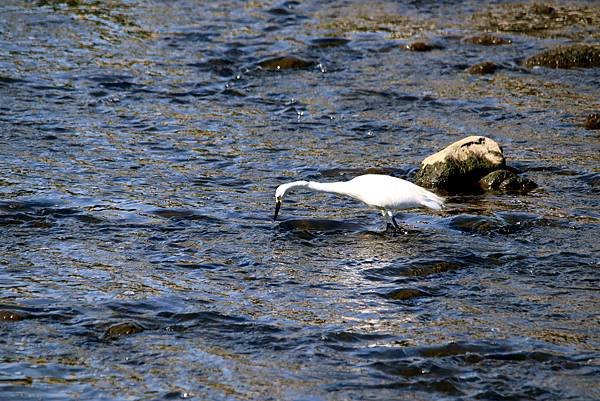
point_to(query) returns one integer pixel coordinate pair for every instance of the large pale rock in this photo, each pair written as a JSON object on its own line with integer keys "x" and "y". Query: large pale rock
{"x": 461, "y": 165}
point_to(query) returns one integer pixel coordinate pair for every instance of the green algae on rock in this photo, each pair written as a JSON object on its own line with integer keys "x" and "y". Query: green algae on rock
{"x": 573, "y": 56}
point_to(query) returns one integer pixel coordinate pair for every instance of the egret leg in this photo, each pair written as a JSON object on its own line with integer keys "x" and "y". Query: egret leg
{"x": 394, "y": 222}
{"x": 386, "y": 218}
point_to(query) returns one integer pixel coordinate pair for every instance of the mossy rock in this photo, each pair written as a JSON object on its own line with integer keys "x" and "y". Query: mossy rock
{"x": 506, "y": 181}
{"x": 460, "y": 165}
{"x": 574, "y": 56}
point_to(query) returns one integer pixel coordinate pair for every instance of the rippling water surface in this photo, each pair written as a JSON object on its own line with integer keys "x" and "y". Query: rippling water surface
{"x": 140, "y": 146}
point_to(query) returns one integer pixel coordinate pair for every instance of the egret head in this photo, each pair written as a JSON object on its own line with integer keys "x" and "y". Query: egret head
{"x": 282, "y": 190}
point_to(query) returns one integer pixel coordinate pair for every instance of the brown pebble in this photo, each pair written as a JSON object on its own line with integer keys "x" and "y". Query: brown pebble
{"x": 285, "y": 63}
{"x": 592, "y": 121}
{"x": 421, "y": 47}
{"x": 11, "y": 316}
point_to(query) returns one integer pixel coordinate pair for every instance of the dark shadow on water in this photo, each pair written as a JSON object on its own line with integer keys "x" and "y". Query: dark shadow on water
{"x": 320, "y": 225}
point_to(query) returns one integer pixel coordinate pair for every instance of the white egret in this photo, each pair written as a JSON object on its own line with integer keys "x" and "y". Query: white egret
{"x": 382, "y": 192}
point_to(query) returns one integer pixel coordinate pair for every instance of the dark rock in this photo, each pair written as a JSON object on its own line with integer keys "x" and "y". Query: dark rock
{"x": 402, "y": 294}
{"x": 329, "y": 42}
{"x": 592, "y": 121}
{"x": 573, "y": 56}
{"x": 486, "y": 67}
{"x": 487, "y": 40}
{"x": 460, "y": 165}
{"x": 285, "y": 63}
{"x": 421, "y": 47}
{"x": 474, "y": 224}
{"x": 11, "y": 315}
{"x": 506, "y": 181}
{"x": 123, "y": 329}
{"x": 542, "y": 9}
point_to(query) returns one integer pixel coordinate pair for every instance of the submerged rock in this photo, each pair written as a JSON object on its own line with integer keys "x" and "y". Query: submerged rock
{"x": 592, "y": 121}
{"x": 285, "y": 63}
{"x": 329, "y": 42}
{"x": 573, "y": 56}
{"x": 487, "y": 67}
{"x": 422, "y": 47}
{"x": 123, "y": 329}
{"x": 11, "y": 315}
{"x": 403, "y": 294}
{"x": 506, "y": 181}
{"x": 461, "y": 164}
{"x": 487, "y": 40}
{"x": 542, "y": 9}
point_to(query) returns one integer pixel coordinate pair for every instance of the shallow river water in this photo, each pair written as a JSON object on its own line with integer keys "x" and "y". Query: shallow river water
{"x": 140, "y": 146}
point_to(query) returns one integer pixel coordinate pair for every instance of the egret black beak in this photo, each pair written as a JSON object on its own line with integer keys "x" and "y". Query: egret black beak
{"x": 277, "y": 206}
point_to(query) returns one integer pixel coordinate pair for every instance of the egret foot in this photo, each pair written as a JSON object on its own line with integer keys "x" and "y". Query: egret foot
{"x": 396, "y": 225}
{"x": 395, "y": 230}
